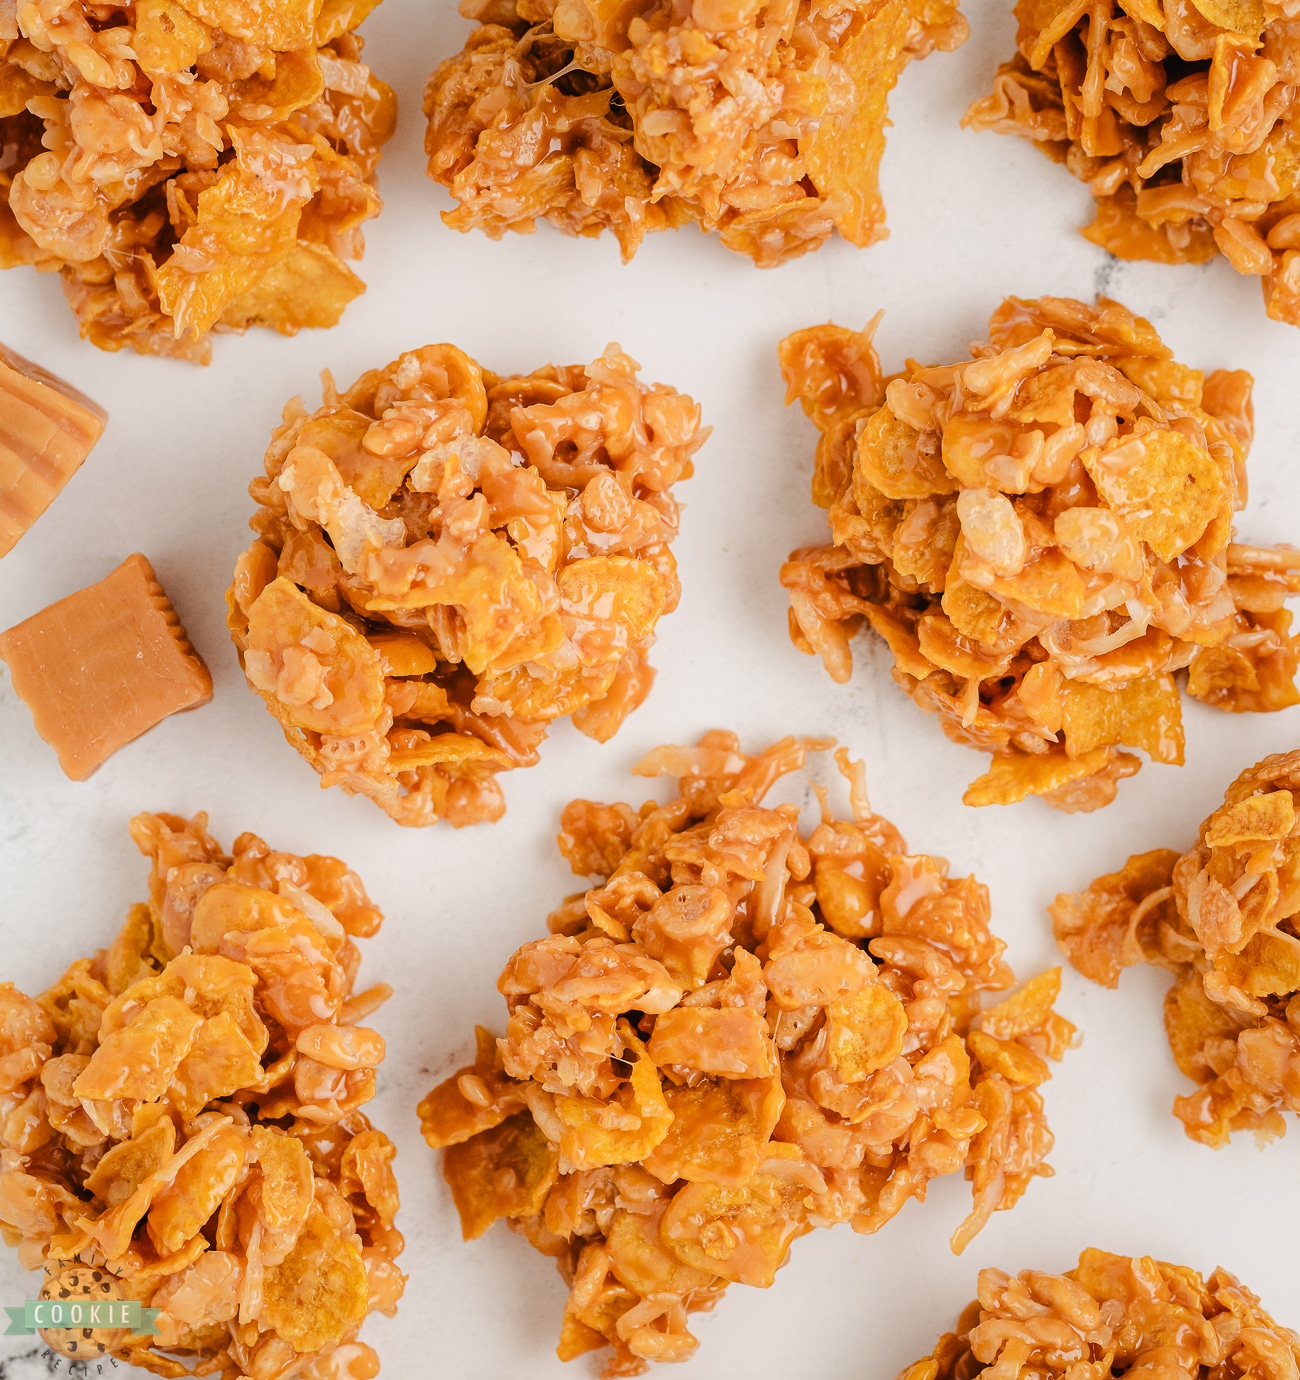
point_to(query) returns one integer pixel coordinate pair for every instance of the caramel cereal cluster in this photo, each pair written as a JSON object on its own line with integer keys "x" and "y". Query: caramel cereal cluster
{"x": 1180, "y": 115}
{"x": 743, "y": 1032}
{"x": 1112, "y": 1315}
{"x": 448, "y": 560}
{"x": 189, "y": 167}
{"x": 1222, "y": 918}
{"x": 181, "y": 1112}
{"x": 762, "y": 120}
{"x": 1043, "y": 537}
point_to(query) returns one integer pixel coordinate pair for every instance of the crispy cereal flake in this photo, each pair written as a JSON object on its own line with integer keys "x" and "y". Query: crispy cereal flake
{"x": 740, "y": 1033}
{"x": 1043, "y": 537}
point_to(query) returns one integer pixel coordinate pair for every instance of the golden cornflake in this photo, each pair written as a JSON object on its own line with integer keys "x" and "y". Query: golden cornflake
{"x": 1222, "y": 918}
{"x": 181, "y": 1117}
{"x": 448, "y": 560}
{"x": 1043, "y": 537}
{"x": 742, "y": 1032}
{"x": 764, "y": 124}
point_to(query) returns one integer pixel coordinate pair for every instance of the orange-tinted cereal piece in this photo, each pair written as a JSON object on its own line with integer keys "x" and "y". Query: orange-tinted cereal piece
{"x": 182, "y": 1114}
{"x": 448, "y": 560}
{"x": 47, "y": 429}
{"x": 1222, "y": 918}
{"x": 1112, "y": 1315}
{"x": 761, "y": 122}
{"x": 190, "y": 168}
{"x": 1182, "y": 117}
{"x": 1043, "y": 537}
{"x": 104, "y": 665}
{"x": 741, "y": 1032}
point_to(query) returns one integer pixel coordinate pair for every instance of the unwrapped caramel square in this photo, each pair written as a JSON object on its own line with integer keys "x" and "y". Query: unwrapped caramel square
{"x": 104, "y": 665}
{"x": 47, "y": 429}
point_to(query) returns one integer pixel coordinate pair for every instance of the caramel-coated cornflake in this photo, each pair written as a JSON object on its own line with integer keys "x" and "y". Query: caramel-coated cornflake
{"x": 763, "y": 122}
{"x": 180, "y": 1117}
{"x": 449, "y": 559}
{"x": 1043, "y": 537}
{"x": 189, "y": 167}
{"x": 1112, "y": 1315}
{"x": 1222, "y": 918}
{"x": 1182, "y": 118}
{"x": 744, "y": 1031}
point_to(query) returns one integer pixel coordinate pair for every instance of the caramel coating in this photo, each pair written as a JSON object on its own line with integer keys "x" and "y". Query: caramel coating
{"x": 47, "y": 428}
{"x": 1043, "y": 537}
{"x": 181, "y": 1113}
{"x": 104, "y": 665}
{"x": 764, "y": 122}
{"x": 1112, "y": 1315}
{"x": 189, "y": 167}
{"x": 448, "y": 560}
{"x": 1180, "y": 115}
{"x": 1222, "y": 918}
{"x": 741, "y": 1033}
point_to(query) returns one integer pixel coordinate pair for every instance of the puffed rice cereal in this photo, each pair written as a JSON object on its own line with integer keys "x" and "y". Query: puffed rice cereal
{"x": 1222, "y": 918}
{"x": 1043, "y": 537}
{"x": 449, "y": 559}
{"x": 743, "y": 1032}
{"x": 189, "y": 166}
{"x": 762, "y": 121}
{"x": 1180, "y": 115}
{"x": 179, "y": 1118}
{"x": 1113, "y": 1315}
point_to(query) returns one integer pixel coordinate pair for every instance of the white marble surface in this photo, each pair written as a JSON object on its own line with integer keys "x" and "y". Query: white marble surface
{"x": 973, "y": 217}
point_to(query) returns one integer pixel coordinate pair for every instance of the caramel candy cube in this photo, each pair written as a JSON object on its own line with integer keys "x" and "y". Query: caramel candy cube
{"x": 47, "y": 429}
{"x": 104, "y": 665}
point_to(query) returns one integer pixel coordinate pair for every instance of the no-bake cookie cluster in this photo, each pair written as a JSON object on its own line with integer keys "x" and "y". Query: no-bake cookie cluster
{"x": 449, "y": 559}
{"x": 181, "y": 1113}
{"x": 764, "y": 122}
{"x": 1222, "y": 918}
{"x": 744, "y": 1031}
{"x": 1180, "y": 115}
{"x": 1112, "y": 1315}
{"x": 189, "y": 167}
{"x": 1043, "y": 537}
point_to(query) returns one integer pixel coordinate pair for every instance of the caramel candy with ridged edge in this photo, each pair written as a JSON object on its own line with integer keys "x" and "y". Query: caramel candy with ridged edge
{"x": 104, "y": 665}
{"x": 47, "y": 428}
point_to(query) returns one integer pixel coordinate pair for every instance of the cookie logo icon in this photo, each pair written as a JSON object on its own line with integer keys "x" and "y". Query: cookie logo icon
{"x": 73, "y": 1294}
